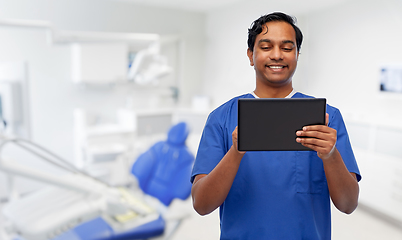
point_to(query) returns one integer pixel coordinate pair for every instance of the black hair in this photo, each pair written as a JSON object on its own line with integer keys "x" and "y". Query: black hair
{"x": 258, "y": 25}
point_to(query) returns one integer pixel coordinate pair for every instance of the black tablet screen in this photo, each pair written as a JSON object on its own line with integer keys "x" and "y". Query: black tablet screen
{"x": 270, "y": 124}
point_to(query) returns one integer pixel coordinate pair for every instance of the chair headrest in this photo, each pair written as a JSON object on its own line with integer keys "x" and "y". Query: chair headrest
{"x": 178, "y": 133}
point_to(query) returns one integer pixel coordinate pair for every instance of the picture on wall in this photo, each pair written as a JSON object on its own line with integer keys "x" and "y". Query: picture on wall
{"x": 391, "y": 78}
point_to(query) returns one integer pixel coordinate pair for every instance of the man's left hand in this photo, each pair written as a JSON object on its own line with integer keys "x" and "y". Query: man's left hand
{"x": 319, "y": 138}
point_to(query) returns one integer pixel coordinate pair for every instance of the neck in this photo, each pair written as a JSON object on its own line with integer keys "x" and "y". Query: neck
{"x": 270, "y": 92}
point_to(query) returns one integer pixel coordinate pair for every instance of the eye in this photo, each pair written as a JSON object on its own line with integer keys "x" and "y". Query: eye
{"x": 265, "y": 48}
{"x": 288, "y": 47}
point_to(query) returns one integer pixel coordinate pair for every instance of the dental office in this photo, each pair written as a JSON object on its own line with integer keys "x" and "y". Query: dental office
{"x": 93, "y": 91}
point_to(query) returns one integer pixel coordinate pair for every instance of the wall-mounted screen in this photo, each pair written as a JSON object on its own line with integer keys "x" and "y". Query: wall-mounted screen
{"x": 391, "y": 78}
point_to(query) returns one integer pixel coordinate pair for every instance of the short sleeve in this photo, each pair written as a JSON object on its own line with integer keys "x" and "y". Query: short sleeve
{"x": 212, "y": 147}
{"x": 343, "y": 143}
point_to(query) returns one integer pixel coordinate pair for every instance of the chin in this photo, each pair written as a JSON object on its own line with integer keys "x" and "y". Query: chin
{"x": 280, "y": 82}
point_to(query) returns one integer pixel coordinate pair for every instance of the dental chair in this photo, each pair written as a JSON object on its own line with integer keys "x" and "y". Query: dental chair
{"x": 163, "y": 174}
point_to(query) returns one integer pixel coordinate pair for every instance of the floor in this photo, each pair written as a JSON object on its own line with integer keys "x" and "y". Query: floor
{"x": 361, "y": 224}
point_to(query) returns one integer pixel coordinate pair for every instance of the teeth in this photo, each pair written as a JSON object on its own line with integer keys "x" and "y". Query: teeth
{"x": 276, "y": 67}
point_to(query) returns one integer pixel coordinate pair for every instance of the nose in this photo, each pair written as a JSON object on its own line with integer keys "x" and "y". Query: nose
{"x": 276, "y": 54}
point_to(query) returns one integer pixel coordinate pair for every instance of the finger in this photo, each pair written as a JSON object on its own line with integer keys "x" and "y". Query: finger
{"x": 235, "y": 141}
{"x": 319, "y": 128}
{"x": 316, "y": 134}
{"x": 313, "y": 141}
{"x": 320, "y": 145}
{"x": 322, "y": 152}
{"x": 326, "y": 119}
{"x": 310, "y": 137}
{"x": 234, "y": 133}
{"x": 316, "y": 148}
{"x": 317, "y": 138}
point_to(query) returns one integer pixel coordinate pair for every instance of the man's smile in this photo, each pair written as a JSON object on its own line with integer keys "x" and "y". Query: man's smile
{"x": 276, "y": 67}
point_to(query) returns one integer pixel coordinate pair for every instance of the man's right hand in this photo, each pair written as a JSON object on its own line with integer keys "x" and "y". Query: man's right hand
{"x": 209, "y": 191}
{"x": 235, "y": 141}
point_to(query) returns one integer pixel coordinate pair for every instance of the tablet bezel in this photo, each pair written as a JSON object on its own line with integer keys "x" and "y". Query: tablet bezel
{"x": 270, "y": 124}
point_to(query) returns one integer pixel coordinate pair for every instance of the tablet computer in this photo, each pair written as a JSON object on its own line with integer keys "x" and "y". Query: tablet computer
{"x": 270, "y": 124}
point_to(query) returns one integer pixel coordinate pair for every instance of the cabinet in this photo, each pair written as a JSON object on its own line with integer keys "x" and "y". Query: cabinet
{"x": 99, "y": 62}
{"x": 377, "y": 147}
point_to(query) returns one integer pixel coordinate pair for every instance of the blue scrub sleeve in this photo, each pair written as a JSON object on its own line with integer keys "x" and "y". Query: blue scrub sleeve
{"x": 343, "y": 143}
{"x": 211, "y": 149}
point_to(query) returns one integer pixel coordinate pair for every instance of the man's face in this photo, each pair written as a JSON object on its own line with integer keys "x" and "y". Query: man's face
{"x": 275, "y": 54}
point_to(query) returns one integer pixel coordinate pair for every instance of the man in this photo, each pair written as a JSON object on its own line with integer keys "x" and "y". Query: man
{"x": 274, "y": 194}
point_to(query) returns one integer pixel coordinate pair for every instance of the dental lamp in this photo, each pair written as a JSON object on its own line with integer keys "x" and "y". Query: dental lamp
{"x": 148, "y": 66}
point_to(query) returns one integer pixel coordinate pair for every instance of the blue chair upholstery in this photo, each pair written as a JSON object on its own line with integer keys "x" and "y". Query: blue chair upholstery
{"x": 164, "y": 170}
{"x": 147, "y": 230}
{"x": 95, "y": 229}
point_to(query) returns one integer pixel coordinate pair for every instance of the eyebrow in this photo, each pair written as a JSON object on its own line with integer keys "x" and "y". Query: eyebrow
{"x": 268, "y": 41}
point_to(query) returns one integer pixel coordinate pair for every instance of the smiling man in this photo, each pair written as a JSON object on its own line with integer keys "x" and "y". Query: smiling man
{"x": 274, "y": 194}
{"x": 274, "y": 58}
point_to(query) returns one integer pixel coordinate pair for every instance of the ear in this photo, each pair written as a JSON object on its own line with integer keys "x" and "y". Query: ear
{"x": 250, "y": 56}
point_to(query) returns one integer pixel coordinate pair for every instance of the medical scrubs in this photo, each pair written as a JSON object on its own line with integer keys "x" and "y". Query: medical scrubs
{"x": 275, "y": 194}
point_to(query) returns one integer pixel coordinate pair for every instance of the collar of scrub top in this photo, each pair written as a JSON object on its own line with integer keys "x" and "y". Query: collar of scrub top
{"x": 288, "y": 96}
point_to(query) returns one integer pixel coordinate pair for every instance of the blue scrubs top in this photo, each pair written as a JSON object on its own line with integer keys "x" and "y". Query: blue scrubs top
{"x": 275, "y": 194}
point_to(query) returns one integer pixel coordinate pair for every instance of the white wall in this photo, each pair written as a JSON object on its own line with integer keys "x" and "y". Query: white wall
{"x": 227, "y": 71}
{"x": 348, "y": 44}
{"x": 52, "y": 93}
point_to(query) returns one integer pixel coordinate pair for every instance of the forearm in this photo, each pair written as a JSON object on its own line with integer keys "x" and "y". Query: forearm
{"x": 210, "y": 191}
{"x": 343, "y": 186}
